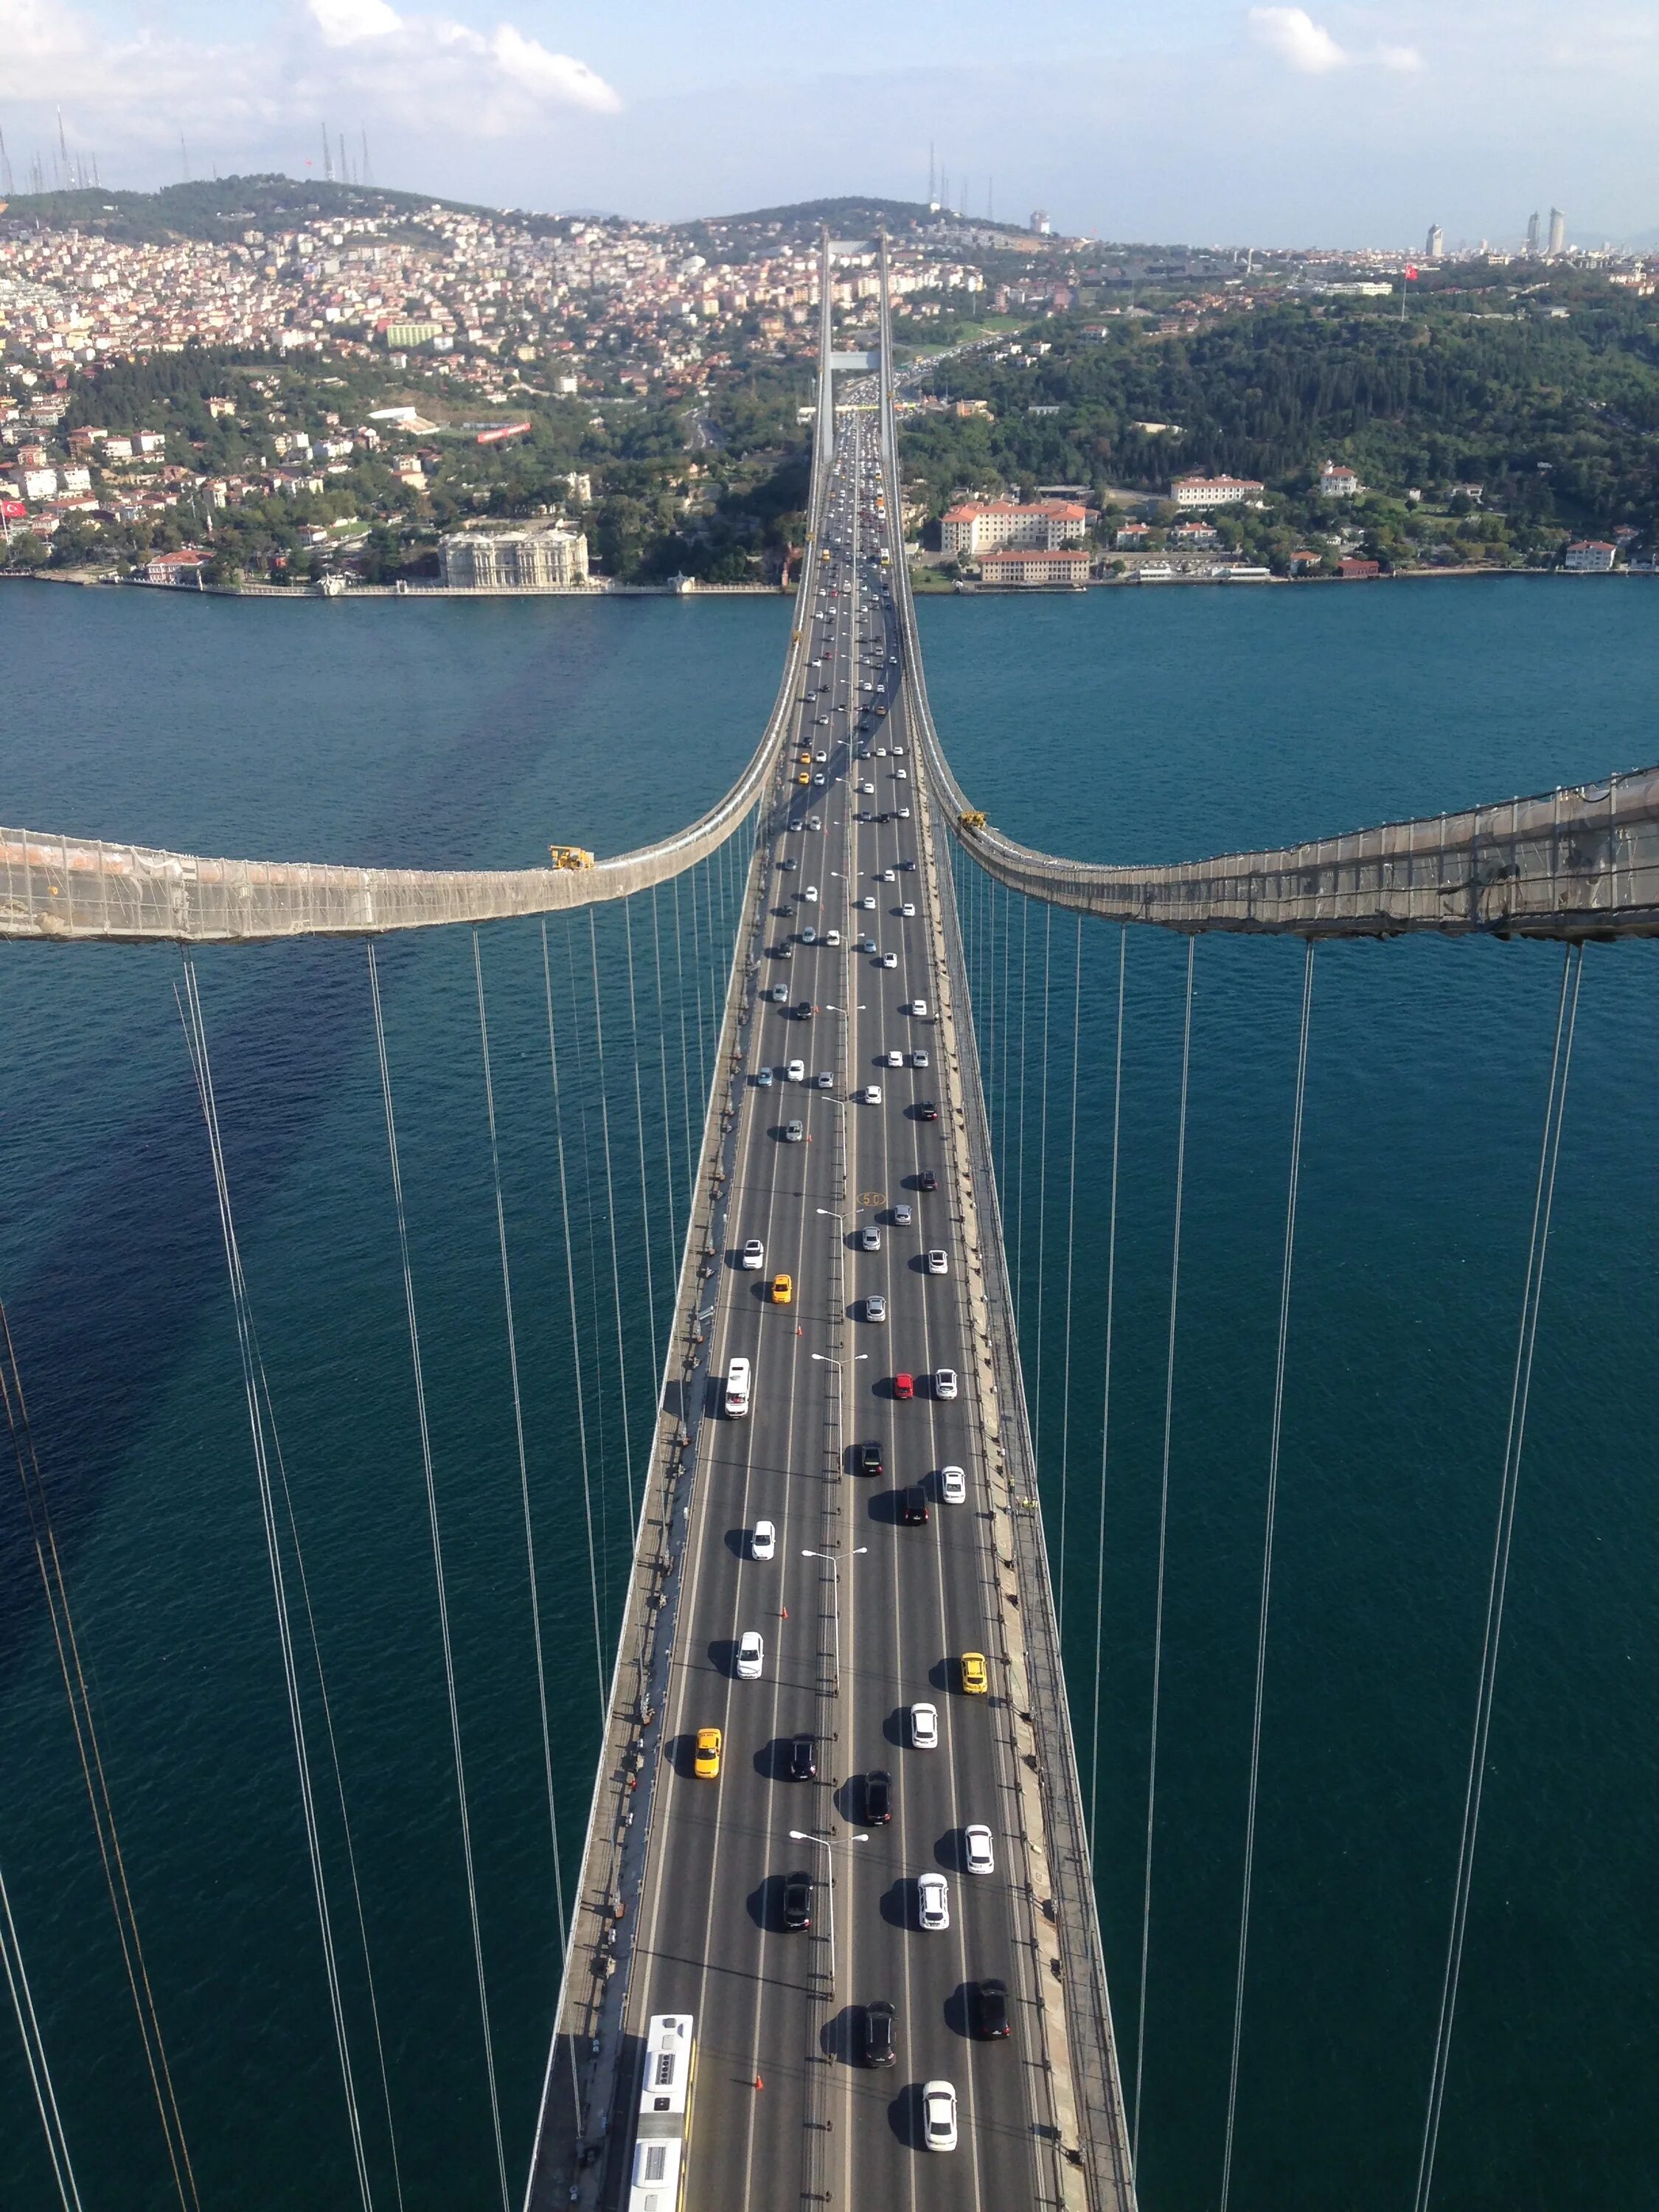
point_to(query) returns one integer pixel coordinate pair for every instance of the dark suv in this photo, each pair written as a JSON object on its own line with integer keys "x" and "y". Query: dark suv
{"x": 797, "y": 1905}
{"x": 870, "y": 1459}
{"x": 915, "y": 1506}
{"x": 880, "y": 2047}
{"x": 928, "y": 1179}
{"x": 803, "y": 1758}
{"x": 990, "y": 2009}
{"x": 878, "y": 1798}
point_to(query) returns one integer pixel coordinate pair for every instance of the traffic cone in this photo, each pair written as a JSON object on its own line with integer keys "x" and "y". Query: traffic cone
{"x": 784, "y": 1613}
{"x": 759, "y": 2084}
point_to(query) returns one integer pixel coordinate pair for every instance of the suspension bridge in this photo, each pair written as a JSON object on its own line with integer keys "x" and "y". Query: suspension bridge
{"x": 838, "y": 1830}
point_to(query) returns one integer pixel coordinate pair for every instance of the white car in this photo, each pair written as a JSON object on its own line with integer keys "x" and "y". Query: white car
{"x": 918, "y": 1008}
{"x": 902, "y": 775}
{"x": 872, "y": 1094}
{"x": 796, "y": 1072}
{"x": 945, "y": 1382}
{"x": 938, "y": 1264}
{"x": 832, "y": 937}
{"x": 751, "y": 1656}
{"x": 924, "y": 1727}
{"x": 810, "y": 893}
{"x": 890, "y": 960}
{"x": 902, "y": 1216}
{"x": 754, "y": 1253}
{"x": 809, "y": 937}
{"x": 890, "y": 875}
{"x": 823, "y": 1080}
{"x": 919, "y": 1059}
{"x": 881, "y": 752}
{"x": 875, "y": 1307}
{"x": 870, "y": 1238}
{"x": 933, "y": 1903}
{"x": 763, "y": 1544}
{"x": 868, "y": 788}
{"x": 819, "y": 777}
{"x": 894, "y": 1059}
{"x": 813, "y": 823}
{"x": 908, "y": 909}
{"x": 978, "y": 1855}
{"x": 903, "y": 812}
{"x": 939, "y": 2115}
{"x": 953, "y": 1485}
{"x": 868, "y": 900}
{"x": 824, "y": 756}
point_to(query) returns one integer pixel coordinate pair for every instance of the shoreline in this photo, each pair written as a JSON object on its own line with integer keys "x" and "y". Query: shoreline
{"x": 963, "y": 590}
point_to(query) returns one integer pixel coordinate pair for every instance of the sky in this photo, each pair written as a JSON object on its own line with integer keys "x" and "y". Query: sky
{"x": 1355, "y": 123}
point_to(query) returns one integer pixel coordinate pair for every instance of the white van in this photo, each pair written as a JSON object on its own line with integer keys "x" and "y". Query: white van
{"x": 737, "y": 1391}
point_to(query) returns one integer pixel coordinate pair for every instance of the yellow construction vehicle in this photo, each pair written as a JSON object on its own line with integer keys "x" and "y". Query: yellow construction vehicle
{"x": 971, "y": 821}
{"x": 571, "y": 856}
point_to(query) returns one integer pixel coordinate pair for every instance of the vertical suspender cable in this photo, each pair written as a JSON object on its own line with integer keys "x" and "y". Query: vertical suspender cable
{"x": 662, "y": 1069}
{"x": 438, "y": 1571}
{"x": 34, "y": 2056}
{"x": 1071, "y": 1229}
{"x": 1274, "y": 1435}
{"x": 639, "y": 1124}
{"x": 1106, "y": 1394}
{"x": 686, "y": 1065}
{"x": 1566, "y": 1022}
{"x": 518, "y": 1435}
{"x": 1042, "y": 1186}
{"x": 1162, "y": 1536}
{"x": 697, "y": 977}
{"x": 600, "y": 1392}
{"x": 610, "y": 1224}
{"x": 1019, "y": 1140}
{"x": 575, "y": 1333}
{"x": 195, "y": 1028}
{"x": 76, "y": 1689}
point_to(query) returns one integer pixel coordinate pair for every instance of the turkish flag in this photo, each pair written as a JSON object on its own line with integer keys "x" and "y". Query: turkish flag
{"x": 1411, "y": 276}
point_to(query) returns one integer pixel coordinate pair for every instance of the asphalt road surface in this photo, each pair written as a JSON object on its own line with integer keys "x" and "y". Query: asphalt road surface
{"x": 782, "y": 2104}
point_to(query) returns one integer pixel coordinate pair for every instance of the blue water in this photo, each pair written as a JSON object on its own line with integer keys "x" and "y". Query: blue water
{"x": 1117, "y": 725}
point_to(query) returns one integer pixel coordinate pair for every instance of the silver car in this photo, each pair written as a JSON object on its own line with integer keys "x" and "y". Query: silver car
{"x": 870, "y": 1239}
{"x": 794, "y": 1134}
{"x": 875, "y": 1307}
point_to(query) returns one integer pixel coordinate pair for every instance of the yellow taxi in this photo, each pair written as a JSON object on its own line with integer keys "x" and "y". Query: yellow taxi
{"x": 783, "y": 1290}
{"x": 974, "y": 1678}
{"x": 708, "y": 1760}
{"x": 803, "y": 777}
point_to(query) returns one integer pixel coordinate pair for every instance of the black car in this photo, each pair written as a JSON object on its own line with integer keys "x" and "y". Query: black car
{"x": 926, "y": 1110}
{"x": 928, "y": 1179}
{"x": 878, "y": 1798}
{"x": 870, "y": 1461}
{"x": 803, "y": 1758}
{"x": 797, "y": 1906}
{"x": 915, "y": 1506}
{"x": 805, "y": 1012}
{"x": 880, "y": 2047}
{"x": 990, "y": 2008}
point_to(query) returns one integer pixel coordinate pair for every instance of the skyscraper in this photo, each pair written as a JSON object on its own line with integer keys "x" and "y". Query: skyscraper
{"x": 1532, "y": 235}
{"x": 1435, "y": 246}
{"x": 1558, "y": 233}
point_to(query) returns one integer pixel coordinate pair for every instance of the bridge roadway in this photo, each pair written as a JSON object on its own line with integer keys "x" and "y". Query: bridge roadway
{"x": 849, "y": 1647}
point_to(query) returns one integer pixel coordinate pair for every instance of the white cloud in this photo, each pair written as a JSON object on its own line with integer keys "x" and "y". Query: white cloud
{"x": 343, "y": 22}
{"x": 1309, "y": 48}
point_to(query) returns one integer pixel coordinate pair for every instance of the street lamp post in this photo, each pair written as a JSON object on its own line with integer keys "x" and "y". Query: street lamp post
{"x": 824, "y": 1845}
{"x": 834, "y": 1566}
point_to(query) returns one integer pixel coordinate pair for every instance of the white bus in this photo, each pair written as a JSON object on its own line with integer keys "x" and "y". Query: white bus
{"x": 660, "y": 2136}
{"x": 737, "y": 1383}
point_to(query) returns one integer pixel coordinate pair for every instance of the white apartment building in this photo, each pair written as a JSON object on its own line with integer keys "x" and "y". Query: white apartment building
{"x": 1214, "y": 491}
{"x": 975, "y": 529}
{"x": 513, "y": 560}
{"x": 1338, "y": 481}
{"x": 1588, "y": 557}
{"x": 1036, "y": 564}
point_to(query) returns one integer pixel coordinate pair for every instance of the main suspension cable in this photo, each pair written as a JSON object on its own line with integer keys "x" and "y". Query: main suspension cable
{"x": 1163, "y": 1536}
{"x": 34, "y": 2056}
{"x": 1566, "y": 1022}
{"x": 575, "y": 1332}
{"x": 1275, "y": 1433}
{"x": 517, "y": 1435}
{"x": 438, "y": 1572}
{"x": 76, "y": 1689}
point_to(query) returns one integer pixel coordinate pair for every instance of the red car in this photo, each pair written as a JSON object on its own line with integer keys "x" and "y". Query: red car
{"x": 904, "y": 1386}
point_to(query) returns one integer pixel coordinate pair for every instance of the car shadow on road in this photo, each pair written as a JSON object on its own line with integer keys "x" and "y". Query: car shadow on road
{"x": 887, "y": 1506}
{"x": 899, "y": 1905}
{"x": 723, "y": 1656}
{"x": 904, "y": 2115}
{"x": 959, "y": 2011}
{"x": 840, "y": 2037}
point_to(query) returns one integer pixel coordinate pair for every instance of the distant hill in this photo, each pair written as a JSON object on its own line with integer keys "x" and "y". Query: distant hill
{"x": 217, "y": 209}
{"x": 847, "y": 216}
